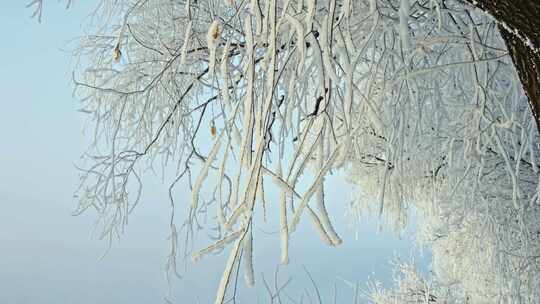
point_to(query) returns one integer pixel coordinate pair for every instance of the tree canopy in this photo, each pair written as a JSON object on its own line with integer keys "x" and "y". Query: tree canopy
{"x": 417, "y": 100}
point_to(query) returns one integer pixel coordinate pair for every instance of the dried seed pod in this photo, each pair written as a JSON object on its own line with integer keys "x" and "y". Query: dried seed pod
{"x": 117, "y": 53}
{"x": 212, "y": 36}
{"x": 213, "y": 130}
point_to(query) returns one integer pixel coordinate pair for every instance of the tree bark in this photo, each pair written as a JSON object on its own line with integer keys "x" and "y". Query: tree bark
{"x": 519, "y": 25}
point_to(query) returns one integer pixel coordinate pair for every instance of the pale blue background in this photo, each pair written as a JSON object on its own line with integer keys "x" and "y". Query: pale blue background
{"x": 48, "y": 256}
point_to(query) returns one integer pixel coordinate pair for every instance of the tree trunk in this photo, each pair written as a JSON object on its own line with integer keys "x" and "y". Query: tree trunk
{"x": 519, "y": 24}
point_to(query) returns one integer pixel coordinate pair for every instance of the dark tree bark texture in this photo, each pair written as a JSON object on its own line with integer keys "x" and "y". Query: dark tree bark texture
{"x": 519, "y": 24}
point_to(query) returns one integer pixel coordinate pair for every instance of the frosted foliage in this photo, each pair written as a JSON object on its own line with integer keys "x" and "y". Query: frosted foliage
{"x": 418, "y": 100}
{"x": 411, "y": 287}
{"x": 459, "y": 145}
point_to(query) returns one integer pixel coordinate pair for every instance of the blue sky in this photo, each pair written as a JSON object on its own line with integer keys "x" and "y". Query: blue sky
{"x": 49, "y": 256}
